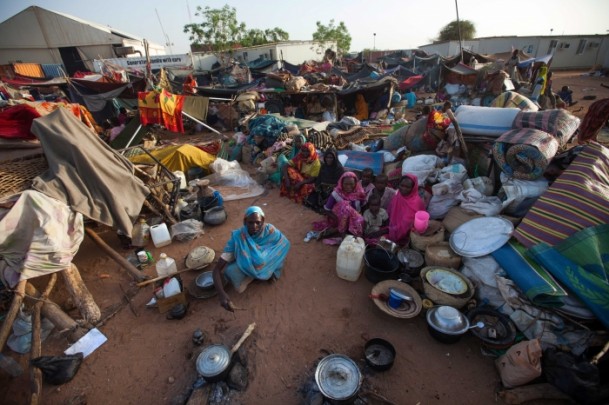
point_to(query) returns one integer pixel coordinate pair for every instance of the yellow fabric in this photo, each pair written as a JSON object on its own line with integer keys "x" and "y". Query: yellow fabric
{"x": 177, "y": 157}
{"x": 361, "y": 107}
{"x": 309, "y": 169}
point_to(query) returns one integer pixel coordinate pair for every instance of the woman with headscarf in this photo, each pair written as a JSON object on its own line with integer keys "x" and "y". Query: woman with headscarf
{"x": 402, "y": 208}
{"x": 299, "y": 174}
{"x": 256, "y": 251}
{"x": 329, "y": 173}
{"x": 190, "y": 86}
{"x": 343, "y": 208}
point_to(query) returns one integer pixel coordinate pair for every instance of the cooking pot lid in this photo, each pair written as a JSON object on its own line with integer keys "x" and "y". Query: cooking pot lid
{"x": 213, "y": 360}
{"x": 338, "y": 377}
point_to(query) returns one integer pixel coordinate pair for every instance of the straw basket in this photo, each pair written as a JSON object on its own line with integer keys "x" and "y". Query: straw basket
{"x": 440, "y": 297}
{"x": 434, "y": 234}
{"x": 441, "y": 254}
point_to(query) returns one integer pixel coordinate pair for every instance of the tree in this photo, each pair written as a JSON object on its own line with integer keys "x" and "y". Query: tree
{"x": 331, "y": 32}
{"x": 450, "y": 32}
{"x": 255, "y": 37}
{"x": 220, "y": 30}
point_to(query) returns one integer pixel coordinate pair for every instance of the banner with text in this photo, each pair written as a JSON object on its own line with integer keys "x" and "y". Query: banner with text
{"x": 157, "y": 62}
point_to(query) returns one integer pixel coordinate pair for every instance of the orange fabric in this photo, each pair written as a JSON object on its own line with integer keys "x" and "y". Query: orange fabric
{"x": 171, "y": 109}
{"x": 150, "y": 109}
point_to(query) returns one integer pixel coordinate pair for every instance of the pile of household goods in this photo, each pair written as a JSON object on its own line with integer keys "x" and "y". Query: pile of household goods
{"x": 519, "y": 258}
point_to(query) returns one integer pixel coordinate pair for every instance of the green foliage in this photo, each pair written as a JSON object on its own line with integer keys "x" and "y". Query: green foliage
{"x": 221, "y": 31}
{"x": 450, "y": 32}
{"x": 331, "y": 32}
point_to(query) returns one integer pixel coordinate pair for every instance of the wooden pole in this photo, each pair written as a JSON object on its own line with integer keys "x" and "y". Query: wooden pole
{"x": 81, "y": 295}
{"x": 12, "y": 313}
{"x": 115, "y": 256}
{"x": 36, "y": 350}
{"x": 60, "y": 319}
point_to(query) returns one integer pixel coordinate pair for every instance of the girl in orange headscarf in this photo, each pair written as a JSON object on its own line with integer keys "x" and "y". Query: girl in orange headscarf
{"x": 190, "y": 86}
{"x": 299, "y": 174}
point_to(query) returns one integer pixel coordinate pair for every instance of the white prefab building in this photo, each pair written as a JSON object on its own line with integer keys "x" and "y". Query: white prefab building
{"x": 570, "y": 51}
{"x": 37, "y": 35}
{"x": 294, "y": 52}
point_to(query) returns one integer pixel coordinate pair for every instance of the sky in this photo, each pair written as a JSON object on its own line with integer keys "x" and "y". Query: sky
{"x": 372, "y": 24}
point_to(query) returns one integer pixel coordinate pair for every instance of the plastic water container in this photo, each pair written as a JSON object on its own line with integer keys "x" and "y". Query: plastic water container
{"x": 166, "y": 266}
{"x": 160, "y": 235}
{"x": 182, "y": 178}
{"x": 140, "y": 233}
{"x": 349, "y": 258}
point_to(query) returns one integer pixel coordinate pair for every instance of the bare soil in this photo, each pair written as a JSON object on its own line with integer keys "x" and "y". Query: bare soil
{"x": 308, "y": 313}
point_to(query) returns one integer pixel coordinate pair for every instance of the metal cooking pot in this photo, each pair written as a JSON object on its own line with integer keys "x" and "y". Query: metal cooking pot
{"x": 381, "y": 265}
{"x": 338, "y": 378}
{"x": 215, "y": 361}
{"x": 215, "y": 216}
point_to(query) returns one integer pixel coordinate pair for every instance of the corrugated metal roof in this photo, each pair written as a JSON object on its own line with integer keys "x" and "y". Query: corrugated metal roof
{"x": 53, "y": 70}
{"x": 29, "y": 70}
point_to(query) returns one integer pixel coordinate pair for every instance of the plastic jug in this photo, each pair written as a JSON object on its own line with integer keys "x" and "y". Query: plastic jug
{"x": 349, "y": 258}
{"x": 160, "y": 235}
{"x": 166, "y": 266}
{"x": 140, "y": 233}
{"x": 179, "y": 174}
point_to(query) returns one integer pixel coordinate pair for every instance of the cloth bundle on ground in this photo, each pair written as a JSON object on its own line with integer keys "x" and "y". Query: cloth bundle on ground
{"x": 177, "y": 157}
{"x": 559, "y": 123}
{"x": 267, "y": 126}
{"x": 524, "y": 153}
{"x": 578, "y": 199}
{"x": 581, "y": 262}
{"x": 86, "y": 173}
{"x": 535, "y": 282}
{"x": 513, "y": 99}
{"x": 38, "y": 236}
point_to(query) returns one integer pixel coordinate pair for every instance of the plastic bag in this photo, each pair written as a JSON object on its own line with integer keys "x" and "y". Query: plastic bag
{"x": 58, "y": 370}
{"x": 473, "y": 200}
{"x": 187, "y": 230}
{"x": 221, "y": 166}
{"x": 521, "y": 364}
{"x": 20, "y": 340}
{"x": 421, "y": 166}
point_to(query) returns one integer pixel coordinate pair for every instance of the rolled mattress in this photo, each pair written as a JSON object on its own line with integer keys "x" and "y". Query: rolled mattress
{"x": 490, "y": 121}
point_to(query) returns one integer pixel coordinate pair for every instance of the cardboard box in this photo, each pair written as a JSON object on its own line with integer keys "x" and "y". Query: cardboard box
{"x": 165, "y": 304}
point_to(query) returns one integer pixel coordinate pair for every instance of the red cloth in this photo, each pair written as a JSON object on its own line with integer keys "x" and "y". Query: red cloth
{"x": 401, "y": 212}
{"x": 15, "y": 122}
{"x": 150, "y": 110}
{"x": 410, "y": 82}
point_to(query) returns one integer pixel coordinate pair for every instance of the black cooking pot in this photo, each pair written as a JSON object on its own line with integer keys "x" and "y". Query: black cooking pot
{"x": 381, "y": 265}
{"x": 379, "y": 354}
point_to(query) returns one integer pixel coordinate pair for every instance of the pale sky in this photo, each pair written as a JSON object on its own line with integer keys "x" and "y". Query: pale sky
{"x": 398, "y": 24}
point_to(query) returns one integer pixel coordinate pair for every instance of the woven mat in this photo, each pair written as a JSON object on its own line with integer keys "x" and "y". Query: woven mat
{"x": 17, "y": 175}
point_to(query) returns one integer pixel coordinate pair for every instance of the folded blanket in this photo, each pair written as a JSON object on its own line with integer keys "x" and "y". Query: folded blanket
{"x": 559, "y": 123}
{"x": 535, "y": 282}
{"x": 524, "y": 153}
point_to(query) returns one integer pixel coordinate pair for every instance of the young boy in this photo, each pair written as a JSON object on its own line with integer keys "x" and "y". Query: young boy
{"x": 367, "y": 180}
{"x": 384, "y": 193}
{"x": 376, "y": 218}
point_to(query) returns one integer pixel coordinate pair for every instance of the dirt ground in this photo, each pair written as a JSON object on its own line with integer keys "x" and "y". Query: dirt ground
{"x": 308, "y": 313}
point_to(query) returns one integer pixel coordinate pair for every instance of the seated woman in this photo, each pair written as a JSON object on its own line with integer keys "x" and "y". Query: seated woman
{"x": 402, "y": 208}
{"x": 256, "y": 251}
{"x": 343, "y": 208}
{"x": 329, "y": 173}
{"x": 299, "y": 174}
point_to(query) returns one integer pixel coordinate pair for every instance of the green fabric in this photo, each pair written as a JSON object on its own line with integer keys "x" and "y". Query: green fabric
{"x": 581, "y": 263}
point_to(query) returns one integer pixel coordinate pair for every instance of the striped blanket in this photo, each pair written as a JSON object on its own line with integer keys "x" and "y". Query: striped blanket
{"x": 524, "y": 153}
{"x": 513, "y": 99}
{"x": 559, "y": 123}
{"x": 578, "y": 199}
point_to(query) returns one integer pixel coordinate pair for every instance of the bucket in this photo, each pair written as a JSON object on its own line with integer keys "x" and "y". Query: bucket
{"x": 421, "y": 221}
{"x": 160, "y": 235}
{"x": 381, "y": 265}
{"x": 349, "y": 258}
{"x": 395, "y": 298}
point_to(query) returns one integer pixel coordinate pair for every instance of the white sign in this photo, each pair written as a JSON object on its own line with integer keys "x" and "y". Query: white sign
{"x": 157, "y": 62}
